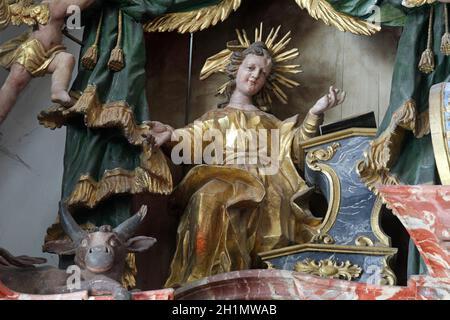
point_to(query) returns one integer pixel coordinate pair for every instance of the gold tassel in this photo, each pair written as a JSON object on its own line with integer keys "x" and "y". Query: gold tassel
{"x": 426, "y": 64}
{"x": 90, "y": 58}
{"x": 117, "y": 61}
{"x": 445, "y": 41}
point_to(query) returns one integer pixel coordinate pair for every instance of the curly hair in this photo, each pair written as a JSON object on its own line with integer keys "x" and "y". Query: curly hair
{"x": 258, "y": 48}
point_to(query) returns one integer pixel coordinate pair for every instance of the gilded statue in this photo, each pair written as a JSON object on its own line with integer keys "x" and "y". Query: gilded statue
{"x": 37, "y": 53}
{"x": 233, "y": 208}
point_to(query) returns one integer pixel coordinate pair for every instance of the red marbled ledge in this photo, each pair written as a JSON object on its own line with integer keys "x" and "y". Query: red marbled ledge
{"x": 288, "y": 285}
{"x": 425, "y": 213}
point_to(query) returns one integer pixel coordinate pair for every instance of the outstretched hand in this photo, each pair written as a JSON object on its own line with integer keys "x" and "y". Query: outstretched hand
{"x": 334, "y": 98}
{"x": 158, "y": 134}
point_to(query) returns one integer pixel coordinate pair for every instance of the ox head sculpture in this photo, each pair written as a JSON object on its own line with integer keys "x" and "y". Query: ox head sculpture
{"x": 104, "y": 250}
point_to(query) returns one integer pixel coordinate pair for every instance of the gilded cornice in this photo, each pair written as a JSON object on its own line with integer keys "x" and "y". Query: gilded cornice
{"x": 322, "y": 10}
{"x": 195, "y": 20}
{"x": 204, "y": 18}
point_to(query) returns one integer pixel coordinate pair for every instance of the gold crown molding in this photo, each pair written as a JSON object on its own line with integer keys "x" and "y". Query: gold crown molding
{"x": 195, "y": 20}
{"x": 383, "y": 151}
{"x": 321, "y": 9}
{"x": 312, "y": 159}
{"x": 329, "y": 268}
{"x": 332, "y": 248}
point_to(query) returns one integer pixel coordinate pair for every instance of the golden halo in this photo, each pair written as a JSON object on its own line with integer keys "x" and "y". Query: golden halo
{"x": 280, "y": 70}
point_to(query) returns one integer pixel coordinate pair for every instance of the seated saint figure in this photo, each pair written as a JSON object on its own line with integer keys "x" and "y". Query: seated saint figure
{"x": 233, "y": 209}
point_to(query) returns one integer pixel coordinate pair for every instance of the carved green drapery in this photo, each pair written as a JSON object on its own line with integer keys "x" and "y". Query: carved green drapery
{"x": 96, "y": 145}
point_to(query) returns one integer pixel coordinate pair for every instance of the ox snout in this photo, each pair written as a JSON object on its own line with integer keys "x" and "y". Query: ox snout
{"x": 99, "y": 259}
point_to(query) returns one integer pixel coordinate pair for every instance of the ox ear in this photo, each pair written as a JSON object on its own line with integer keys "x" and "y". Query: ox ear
{"x": 140, "y": 244}
{"x": 60, "y": 247}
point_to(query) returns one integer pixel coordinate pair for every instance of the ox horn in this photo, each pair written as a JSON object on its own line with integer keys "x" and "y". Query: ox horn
{"x": 69, "y": 225}
{"x": 127, "y": 228}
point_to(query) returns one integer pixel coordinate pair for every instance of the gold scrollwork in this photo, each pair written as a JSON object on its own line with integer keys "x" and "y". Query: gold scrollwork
{"x": 312, "y": 160}
{"x": 329, "y": 269}
{"x": 363, "y": 241}
{"x": 322, "y": 238}
{"x": 384, "y": 239}
{"x": 321, "y": 155}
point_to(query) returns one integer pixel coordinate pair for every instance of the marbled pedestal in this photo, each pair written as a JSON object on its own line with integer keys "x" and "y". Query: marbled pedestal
{"x": 425, "y": 213}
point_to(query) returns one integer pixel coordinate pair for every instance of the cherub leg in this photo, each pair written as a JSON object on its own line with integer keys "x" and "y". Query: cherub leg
{"x": 62, "y": 67}
{"x": 17, "y": 80}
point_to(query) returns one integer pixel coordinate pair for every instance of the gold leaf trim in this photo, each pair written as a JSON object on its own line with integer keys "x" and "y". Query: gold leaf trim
{"x": 383, "y": 151}
{"x": 88, "y": 192}
{"x": 321, "y": 9}
{"x": 329, "y": 269}
{"x": 195, "y": 20}
{"x": 312, "y": 160}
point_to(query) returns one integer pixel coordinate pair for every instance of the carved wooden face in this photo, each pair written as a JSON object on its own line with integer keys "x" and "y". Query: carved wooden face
{"x": 104, "y": 251}
{"x": 252, "y": 74}
{"x": 99, "y": 251}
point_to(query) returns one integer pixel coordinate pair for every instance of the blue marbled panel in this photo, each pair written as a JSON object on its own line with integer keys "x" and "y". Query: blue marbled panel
{"x": 357, "y": 201}
{"x": 372, "y": 266}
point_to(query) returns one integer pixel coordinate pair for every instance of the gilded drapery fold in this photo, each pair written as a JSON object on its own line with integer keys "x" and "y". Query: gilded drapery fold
{"x": 234, "y": 210}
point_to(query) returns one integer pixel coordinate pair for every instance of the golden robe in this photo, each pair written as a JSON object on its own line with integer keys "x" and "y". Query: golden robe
{"x": 233, "y": 211}
{"x": 28, "y": 52}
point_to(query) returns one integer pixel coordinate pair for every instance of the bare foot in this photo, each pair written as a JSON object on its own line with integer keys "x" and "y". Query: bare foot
{"x": 62, "y": 98}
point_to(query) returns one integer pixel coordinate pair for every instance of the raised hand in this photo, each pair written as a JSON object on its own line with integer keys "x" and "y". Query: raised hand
{"x": 334, "y": 98}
